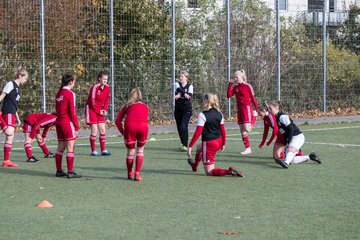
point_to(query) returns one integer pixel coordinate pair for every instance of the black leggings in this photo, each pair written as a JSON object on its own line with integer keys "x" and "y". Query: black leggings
{"x": 182, "y": 119}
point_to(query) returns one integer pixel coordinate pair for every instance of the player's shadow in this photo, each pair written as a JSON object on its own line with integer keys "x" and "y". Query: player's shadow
{"x": 249, "y": 160}
{"x": 19, "y": 171}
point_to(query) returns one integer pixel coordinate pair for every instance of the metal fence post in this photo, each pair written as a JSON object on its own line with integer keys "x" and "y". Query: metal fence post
{"x": 228, "y": 56}
{"x": 324, "y": 42}
{"x": 42, "y": 52}
{"x": 278, "y": 51}
{"x": 173, "y": 51}
{"x": 111, "y": 26}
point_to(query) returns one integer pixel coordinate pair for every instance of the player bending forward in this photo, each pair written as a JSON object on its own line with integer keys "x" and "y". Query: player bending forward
{"x": 213, "y": 137}
{"x": 293, "y": 137}
{"x": 32, "y": 124}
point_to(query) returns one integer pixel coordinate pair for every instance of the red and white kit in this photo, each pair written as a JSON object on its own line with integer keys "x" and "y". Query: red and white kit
{"x": 97, "y": 101}
{"x": 136, "y": 125}
{"x": 33, "y": 123}
{"x": 67, "y": 122}
{"x": 244, "y": 94}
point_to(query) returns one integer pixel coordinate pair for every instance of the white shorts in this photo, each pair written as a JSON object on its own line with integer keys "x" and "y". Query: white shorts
{"x": 297, "y": 141}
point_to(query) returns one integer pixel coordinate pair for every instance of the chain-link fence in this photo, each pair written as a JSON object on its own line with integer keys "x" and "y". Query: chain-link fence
{"x": 133, "y": 41}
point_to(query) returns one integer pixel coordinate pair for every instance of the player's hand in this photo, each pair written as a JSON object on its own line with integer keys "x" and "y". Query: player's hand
{"x": 231, "y": 80}
{"x": 187, "y": 96}
{"x": 261, "y": 145}
{"x": 268, "y": 143}
{"x": 222, "y": 148}
{"x": 189, "y": 152}
{"x": 177, "y": 96}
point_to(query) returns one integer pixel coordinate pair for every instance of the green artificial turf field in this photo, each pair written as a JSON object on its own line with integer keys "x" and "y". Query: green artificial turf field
{"x": 306, "y": 201}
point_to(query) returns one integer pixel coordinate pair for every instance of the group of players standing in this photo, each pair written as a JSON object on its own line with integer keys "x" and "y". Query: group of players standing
{"x": 132, "y": 122}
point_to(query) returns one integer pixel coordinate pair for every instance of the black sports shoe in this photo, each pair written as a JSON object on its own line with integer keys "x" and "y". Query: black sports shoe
{"x": 73, "y": 175}
{"x": 50, "y": 155}
{"x": 314, "y": 157}
{"x": 281, "y": 163}
{"x": 32, "y": 159}
{"x": 60, "y": 174}
{"x": 191, "y": 163}
{"x": 236, "y": 172}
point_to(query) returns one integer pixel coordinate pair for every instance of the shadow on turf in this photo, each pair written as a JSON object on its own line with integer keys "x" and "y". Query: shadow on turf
{"x": 259, "y": 161}
{"x": 26, "y": 172}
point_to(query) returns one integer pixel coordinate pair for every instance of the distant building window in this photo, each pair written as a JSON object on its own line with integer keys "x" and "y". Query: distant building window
{"x": 193, "y": 4}
{"x": 283, "y": 5}
{"x": 318, "y": 5}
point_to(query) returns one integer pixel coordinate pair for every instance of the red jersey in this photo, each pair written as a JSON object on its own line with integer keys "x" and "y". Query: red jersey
{"x": 65, "y": 107}
{"x": 99, "y": 97}
{"x": 244, "y": 93}
{"x": 269, "y": 121}
{"x": 136, "y": 113}
{"x": 40, "y": 120}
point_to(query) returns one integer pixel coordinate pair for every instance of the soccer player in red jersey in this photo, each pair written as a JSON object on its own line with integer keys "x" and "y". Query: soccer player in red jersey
{"x": 293, "y": 137}
{"x": 67, "y": 126}
{"x": 96, "y": 110}
{"x": 11, "y": 95}
{"x": 244, "y": 96}
{"x": 134, "y": 131}
{"x": 211, "y": 128}
{"x": 32, "y": 124}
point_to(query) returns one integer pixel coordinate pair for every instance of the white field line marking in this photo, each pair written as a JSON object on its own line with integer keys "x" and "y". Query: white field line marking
{"x": 233, "y": 139}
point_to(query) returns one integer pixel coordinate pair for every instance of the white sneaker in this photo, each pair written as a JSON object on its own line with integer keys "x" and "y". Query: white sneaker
{"x": 247, "y": 151}
{"x": 183, "y": 148}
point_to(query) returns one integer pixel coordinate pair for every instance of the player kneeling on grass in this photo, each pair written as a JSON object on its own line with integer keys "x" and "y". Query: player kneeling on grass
{"x": 135, "y": 131}
{"x": 211, "y": 127}
{"x": 32, "y": 124}
{"x": 293, "y": 137}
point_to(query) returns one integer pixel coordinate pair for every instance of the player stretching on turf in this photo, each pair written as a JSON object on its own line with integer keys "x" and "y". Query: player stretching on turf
{"x": 293, "y": 137}
{"x": 213, "y": 137}
{"x": 67, "y": 126}
{"x": 135, "y": 131}
{"x": 244, "y": 94}
{"x": 270, "y": 122}
{"x": 11, "y": 96}
{"x": 32, "y": 124}
{"x": 95, "y": 111}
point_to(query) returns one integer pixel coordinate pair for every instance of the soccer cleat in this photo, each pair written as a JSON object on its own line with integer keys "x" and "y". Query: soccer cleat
{"x": 32, "y": 159}
{"x": 95, "y": 154}
{"x": 281, "y": 163}
{"x": 131, "y": 174}
{"x": 105, "y": 153}
{"x": 314, "y": 157}
{"x": 137, "y": 177}
{"x": 60, "y": 174}
{"x": 183, "y": 148}
{"x": 247, "y": 151}
{"x": 50, "y": 155}
{"x": 9, "y": 163}
{"x": 192, "y": 164}
{"x": 73, "y": 175}
{"x": 235, "y": 172}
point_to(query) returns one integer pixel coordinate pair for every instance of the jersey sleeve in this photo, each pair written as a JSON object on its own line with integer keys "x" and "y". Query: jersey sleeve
{"x": 222, "y": 130}
{"x": 253, "y": 99}
{"x": 274, "y": 127}
{"x": 9, "y": 86}
{"x": 265, "y": 132}
{"x": 191, "y": 90}
{"x": 107, "y": 99}
{"x": 199, "y": 128}
{"x": 230, "y": 90}
{"x": 94, "y": 106}
{"x": 72, "y": 110}
{"x": 119, "y": 119}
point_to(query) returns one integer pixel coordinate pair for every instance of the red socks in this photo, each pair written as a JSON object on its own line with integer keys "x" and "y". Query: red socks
{"x": 7, "y": 150}
{"x": 220, "y": 172}
{"x": 58, "y": 160}
{"x": 129, "y": 162}
{"x": 43, "y": 147}
{"x": 246, "y": 141}
{"x": 28, "y": 150}
{"x": 70, "y": 161}
{"x": 139, "y": 161}
{"x": 92, "y": 142}
{"x": 102, "y": 139}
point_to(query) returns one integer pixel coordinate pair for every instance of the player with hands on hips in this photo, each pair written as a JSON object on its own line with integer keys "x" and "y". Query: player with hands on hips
{"x": 32, "y": 124}
{"x": 95, "y": 112}
{"x": 67, "y": 126}
{"x": 210, "y": 127}
{"x": 293, "y": 137}
{"x": 10, "y": 97}
{"x": 246, "y": 117}
{"x": 134, "y": 131}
